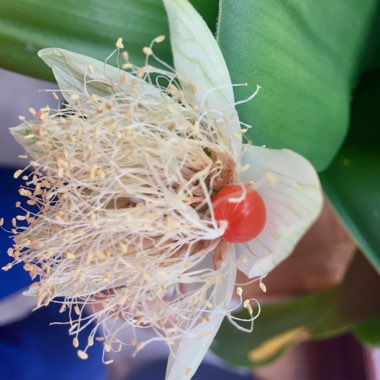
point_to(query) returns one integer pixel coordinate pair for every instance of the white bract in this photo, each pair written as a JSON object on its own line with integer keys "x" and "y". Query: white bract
{"x": 123, "y": 179}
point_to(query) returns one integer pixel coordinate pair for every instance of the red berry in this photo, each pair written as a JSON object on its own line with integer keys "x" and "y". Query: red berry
{"x": 246, "y": 218}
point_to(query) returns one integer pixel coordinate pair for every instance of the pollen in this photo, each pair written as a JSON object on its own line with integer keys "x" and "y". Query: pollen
{"x": 119, "y": 43}
{"x": 32, "y": 111}
{"x": 125, "y": 225}
{"x": 147, "y": 51}
{"x": 83, "y": 355}
{"x": 7, "y": 267}
{"x": 17, "y": 173}
{"x": 159, "y": 39}
{"x": 245, "y": 168}
{"x": 271, "y": 178}
{"x": 262, "y": 286}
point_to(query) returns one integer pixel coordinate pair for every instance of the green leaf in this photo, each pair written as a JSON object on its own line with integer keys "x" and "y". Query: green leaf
{"x": 323, "y": 314}
{"x": 371, "y": 53}
{"x": 352, "y": 182}
{"x": 208, "y": 9}
{"x": 369, "y": 332}
{"x": 306, "y": 56}
{"x": 277, "y": 328}
{"x": 88, "y": 27}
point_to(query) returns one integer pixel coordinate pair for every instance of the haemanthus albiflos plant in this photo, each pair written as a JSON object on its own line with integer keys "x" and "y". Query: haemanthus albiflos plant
{"x": 124, "y": 179}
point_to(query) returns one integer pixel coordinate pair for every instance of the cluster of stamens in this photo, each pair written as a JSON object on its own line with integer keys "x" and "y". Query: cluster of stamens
{"x": 119, "y": 218}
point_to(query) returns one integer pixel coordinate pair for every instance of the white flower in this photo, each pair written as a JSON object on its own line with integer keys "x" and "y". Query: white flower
{"x": 124, "y": 180}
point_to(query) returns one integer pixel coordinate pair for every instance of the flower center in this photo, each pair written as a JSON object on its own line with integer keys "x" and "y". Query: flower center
{"x": 124, "y": 185}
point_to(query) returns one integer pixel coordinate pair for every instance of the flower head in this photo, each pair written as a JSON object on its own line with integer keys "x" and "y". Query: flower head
{"x": 124, "y": 179}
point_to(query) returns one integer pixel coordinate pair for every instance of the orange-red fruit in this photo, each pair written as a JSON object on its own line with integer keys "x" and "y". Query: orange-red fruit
{"x": 246, "y": 218}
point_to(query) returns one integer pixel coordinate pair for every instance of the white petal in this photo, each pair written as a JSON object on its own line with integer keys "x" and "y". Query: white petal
{"x": 23, "y": 135}
{"x": 188, "y": 353}
{"x": 15, "y": 307}
{"x": 292, "y": 195}
{"x": 200, "y": 66}
{"x": 83, "y": 76}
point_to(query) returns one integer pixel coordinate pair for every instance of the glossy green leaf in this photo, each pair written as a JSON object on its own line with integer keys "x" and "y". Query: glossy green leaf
{"x": 353, "y": 180}
{"x": 306, "y": 56}
{"x": 371, "y": 53}
{"x": 319, "y": 315}
{"x": 88, "y": 27}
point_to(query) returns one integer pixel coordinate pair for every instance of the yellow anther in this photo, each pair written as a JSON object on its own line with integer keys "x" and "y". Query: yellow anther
{"x": 17, "y": 173}
{"x": 83, "y": 355}
{"x": 119, "y": 43}
{"x": 147, "y": 51}
{"x": 159, "y": 39}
